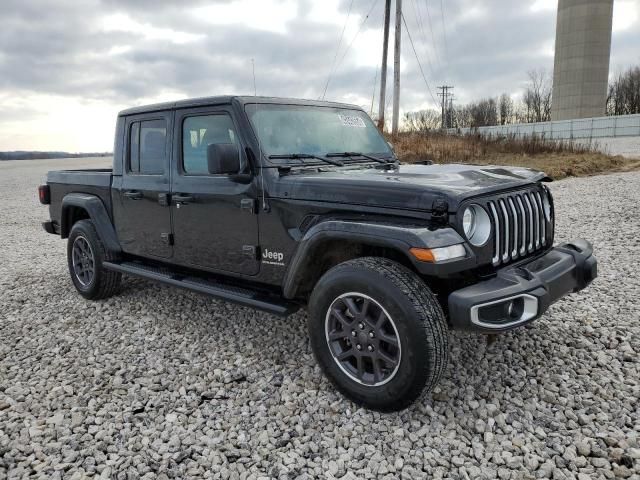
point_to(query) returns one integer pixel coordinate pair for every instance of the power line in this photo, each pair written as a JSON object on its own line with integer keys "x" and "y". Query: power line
{"x": 444, "y": 31}
{"x": 349, "y": 46}
{"x": 418, "y": 15}
{"x": 418, "y": 60}
{"x": 357, "y": 33}
{"x": 373, "y": 95}
{"x": 433, "y": 38}
{"x": 344, "y": 27}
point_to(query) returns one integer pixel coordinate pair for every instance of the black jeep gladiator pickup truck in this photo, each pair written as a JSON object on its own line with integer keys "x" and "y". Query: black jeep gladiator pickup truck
{"x": 277, "y": 204}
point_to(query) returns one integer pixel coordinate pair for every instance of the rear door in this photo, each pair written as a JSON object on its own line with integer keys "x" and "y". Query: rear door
{"x": 141, "y": 195}
{"x": 216, "y": 228}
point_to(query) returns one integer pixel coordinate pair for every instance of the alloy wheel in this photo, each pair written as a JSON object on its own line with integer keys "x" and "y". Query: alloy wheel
{"x": 83, "y": 261}
{"x": 363, "y": 339}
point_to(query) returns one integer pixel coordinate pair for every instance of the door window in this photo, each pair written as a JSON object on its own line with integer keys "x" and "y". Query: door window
{"x": 147, "y": 147}
{"x": 198, "y": 133}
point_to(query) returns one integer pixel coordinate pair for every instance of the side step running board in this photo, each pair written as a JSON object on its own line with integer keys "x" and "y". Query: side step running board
{"x": 230, "y": 293}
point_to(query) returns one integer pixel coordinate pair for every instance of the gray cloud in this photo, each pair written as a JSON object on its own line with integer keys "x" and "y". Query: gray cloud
{"x": 61, "y": 49}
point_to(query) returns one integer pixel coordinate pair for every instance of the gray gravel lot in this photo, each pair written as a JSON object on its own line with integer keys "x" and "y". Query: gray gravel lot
{"x": 159, "y": 383}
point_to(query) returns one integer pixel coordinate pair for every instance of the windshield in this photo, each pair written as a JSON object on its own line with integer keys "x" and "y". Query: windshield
{"x": 314, "y": 130}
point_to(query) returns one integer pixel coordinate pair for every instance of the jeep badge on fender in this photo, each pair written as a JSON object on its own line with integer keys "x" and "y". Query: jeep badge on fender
{"x": 376, "y": 251}
{"x": 272, "y": 258}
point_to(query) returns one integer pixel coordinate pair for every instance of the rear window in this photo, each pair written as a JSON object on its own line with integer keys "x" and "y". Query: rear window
{"x": 147, "y": 147}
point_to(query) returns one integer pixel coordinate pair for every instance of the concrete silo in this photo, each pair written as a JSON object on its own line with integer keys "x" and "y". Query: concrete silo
{"x": 581, "y": 65}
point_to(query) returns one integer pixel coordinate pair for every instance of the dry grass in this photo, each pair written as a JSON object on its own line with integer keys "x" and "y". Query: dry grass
{"x": 556, "y": 159}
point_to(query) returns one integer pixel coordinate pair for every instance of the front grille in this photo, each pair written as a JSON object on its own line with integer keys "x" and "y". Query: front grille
{"x": 519, "y": 225}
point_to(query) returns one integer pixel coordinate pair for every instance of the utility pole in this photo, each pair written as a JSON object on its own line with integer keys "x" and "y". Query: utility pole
{"x": 445, "y": 95}
{"x": 383, "y": 71}
{"x": 396, "y": 69}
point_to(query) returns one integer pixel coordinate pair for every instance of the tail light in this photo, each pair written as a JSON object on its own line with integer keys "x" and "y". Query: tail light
{"x": 44, "y": 194}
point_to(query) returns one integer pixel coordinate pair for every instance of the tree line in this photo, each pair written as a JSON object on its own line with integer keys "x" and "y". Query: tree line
{"x": 533, "y": 106}
{"x": 624, "y": 93}
{"x": 23, "y": 155}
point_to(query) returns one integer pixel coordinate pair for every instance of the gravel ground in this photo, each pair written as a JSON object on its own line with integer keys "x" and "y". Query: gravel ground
{"x": 159, "y": 383}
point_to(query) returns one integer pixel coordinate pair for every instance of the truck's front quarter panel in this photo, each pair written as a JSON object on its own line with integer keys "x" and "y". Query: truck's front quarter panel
{"x": 289, "y": 225}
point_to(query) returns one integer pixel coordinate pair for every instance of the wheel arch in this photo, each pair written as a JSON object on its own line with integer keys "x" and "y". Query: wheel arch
{"x": 81, "y": 206}
{"x": 334, "y": 241}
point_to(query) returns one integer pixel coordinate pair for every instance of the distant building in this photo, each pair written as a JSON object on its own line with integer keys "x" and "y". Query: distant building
{"x": 581, "y": 65}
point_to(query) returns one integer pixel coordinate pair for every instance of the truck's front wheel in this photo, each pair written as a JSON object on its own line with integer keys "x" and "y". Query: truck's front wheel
{"x": 85, "y": 254}
{"x": 378, "y": 332}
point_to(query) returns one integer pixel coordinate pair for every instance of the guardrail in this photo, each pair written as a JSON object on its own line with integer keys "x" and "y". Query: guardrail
{"x": 597, "y": 127}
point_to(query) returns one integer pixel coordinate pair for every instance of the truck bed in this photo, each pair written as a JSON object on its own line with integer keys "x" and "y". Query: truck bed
{"x": 91, "y": 181}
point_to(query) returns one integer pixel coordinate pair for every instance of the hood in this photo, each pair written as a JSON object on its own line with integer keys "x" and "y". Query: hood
{"x": 412, "y": 187}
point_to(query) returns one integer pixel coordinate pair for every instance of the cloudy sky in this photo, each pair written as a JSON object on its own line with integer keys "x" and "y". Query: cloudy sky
{"x": 68, "y": 66}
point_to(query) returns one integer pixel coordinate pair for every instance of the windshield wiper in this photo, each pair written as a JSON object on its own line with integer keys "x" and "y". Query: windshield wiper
{"x": 358, "y": 154}
{"x": 302, "y": 156}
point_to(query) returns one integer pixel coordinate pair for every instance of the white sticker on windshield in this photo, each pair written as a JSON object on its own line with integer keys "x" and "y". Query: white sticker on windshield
{"x": 352, "y": 121}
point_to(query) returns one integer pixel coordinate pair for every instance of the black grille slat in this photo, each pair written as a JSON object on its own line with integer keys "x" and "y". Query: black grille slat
{"x": 519, "y": 225}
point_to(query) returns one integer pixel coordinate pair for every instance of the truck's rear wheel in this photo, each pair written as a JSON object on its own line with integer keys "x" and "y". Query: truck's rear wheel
{"x": 378, "y": 332}
{"x": 85, "y": 254}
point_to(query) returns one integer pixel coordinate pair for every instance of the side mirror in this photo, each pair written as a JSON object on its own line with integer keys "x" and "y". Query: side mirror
{"x": 223, "y": 158}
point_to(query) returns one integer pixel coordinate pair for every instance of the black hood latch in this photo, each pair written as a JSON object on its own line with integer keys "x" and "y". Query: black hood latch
{"x": 440, "y": 210}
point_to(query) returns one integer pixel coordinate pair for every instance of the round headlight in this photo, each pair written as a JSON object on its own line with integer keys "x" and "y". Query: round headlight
{"x": 469, "y": 222}
{"x": 476, "y": 225}
{"x": 546, "y": 205}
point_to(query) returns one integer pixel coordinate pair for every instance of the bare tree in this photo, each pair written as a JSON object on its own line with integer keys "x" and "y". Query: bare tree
{"x": 624, "y": 93}
{"x": 422, "y": 120}
{"x": 537, "y": 96}
{"x": 462, "y": 116}
{"x": 482, "y": 113}
{"x": 535, "y": 105}
{"x": 506, "y": 109}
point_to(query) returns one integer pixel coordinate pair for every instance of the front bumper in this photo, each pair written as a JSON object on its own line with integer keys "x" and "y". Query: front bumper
{"x": 519, "y": 295}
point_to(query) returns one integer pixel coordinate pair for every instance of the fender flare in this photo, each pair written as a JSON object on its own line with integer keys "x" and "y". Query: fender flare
{"x": 97, "y": 212}
{"x": 396, "y": 236}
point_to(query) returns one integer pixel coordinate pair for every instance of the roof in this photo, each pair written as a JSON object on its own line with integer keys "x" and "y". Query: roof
{"x": 227, "y": 99}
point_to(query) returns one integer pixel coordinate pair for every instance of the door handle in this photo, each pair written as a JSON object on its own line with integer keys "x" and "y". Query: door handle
{"x": 164, "y": 199}
{"x": 133, "y": 194}
{"x": 248, "y": 204}
{"x": 181, "y": 198}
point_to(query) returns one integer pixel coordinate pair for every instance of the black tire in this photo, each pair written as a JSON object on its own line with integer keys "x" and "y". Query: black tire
{"x": 101, "y": 283}
{"x": 417, "y": 320}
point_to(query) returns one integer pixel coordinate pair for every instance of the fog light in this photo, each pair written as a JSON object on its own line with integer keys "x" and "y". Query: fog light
{"x": 510, "y": 309}
{"x": 505, "y": 312}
